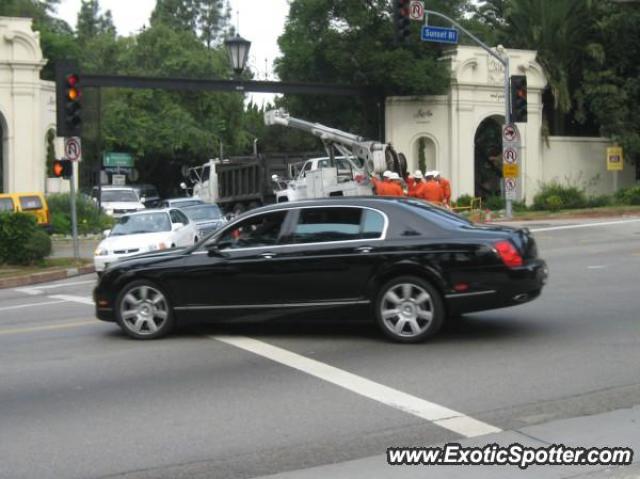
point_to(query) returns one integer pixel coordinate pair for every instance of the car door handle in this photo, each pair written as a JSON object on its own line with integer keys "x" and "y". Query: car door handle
{"x": 267, "y": 255}
{"x": 364, "y": 249}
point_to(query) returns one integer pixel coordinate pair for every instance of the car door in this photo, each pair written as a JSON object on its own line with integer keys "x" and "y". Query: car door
{"x": 240, "y": 271}
{"x": 330, "y": 253}
{"x": 178, "y": 232}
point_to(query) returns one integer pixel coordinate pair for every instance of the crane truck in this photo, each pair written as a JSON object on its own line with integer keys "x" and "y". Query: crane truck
{"x": 240, "y": 185}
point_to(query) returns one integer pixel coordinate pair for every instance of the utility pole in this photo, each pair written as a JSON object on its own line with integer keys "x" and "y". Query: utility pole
{"x": 504, "y": 60}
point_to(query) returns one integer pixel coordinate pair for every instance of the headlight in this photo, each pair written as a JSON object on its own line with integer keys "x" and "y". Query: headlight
{"x": 109, "y": 211}
{"x": 100, "y": 251}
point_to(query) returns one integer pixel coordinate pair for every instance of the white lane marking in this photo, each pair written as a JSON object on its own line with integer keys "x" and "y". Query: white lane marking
{"x": 598, "y": 266}
{"x": 73, "y": 299}
{"x": 33, "y": 290}
{"x": 439, "y": 415}
{"x": 21, "y": 306}
{"x": 585, "y": 225}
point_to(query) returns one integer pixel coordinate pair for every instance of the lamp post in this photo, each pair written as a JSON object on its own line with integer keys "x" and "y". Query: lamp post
{"x": 238, "y": 51}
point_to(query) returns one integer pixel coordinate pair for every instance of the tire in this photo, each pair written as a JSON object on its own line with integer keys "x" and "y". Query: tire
{"x": 143, "y": 311}
{"x": 408, "y": 309}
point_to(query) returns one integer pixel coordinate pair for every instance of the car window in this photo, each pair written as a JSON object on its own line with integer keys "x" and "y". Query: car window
{"x": 372, "y": 224}
{"x": 30, "y": 203}
{"x": 6, "y": 204}
{"x": 260, "y": 230}
{"x": 432, "y": 212}
{"x": 145, "y": 223}
{"x": 327, "y": 224}
{"x": 323, "y": 164}
{"x": 343, "y": 164}
{"x": 113, "y": 196}
{"x": 174, "y": 216}
{"x": 182, "y": 218}
{"x": 202, "y": 213}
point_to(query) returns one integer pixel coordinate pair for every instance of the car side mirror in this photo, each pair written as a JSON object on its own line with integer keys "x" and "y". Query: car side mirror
{"x": 106, "y": 233}
{"x": 143, "y": 199}
{"x": 177, "y": 226}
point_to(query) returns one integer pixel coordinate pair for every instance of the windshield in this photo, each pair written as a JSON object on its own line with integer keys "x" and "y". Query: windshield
{"x": 206, "y": 212}
{"x": 113, "y": 196}
{"x": 139, "y": 224}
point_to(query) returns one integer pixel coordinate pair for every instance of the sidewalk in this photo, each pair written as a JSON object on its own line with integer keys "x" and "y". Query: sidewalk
{"x": 615, "y": 428}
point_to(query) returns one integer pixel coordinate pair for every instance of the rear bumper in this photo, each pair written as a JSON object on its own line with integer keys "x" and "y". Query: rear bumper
{"x": 518, "y": 286}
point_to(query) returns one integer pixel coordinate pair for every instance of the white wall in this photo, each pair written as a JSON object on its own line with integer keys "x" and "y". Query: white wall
{"x": 582, "y": 162}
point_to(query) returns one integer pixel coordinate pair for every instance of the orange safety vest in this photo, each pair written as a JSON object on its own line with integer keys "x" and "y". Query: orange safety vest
{"x": 446, "y": 189}
{"x": 394, "y": 189}
{"x": 432, "y": 192}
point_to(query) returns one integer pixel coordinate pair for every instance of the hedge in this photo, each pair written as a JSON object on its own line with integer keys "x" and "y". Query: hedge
{"x": 90, "y": 218}
{"x": 22, "y": 241}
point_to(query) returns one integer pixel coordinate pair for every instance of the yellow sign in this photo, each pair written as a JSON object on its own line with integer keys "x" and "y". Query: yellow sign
{"x": 615, "y": 160}
{"x": 510, "y": 171}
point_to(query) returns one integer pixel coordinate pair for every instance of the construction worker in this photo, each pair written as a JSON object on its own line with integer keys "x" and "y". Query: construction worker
{"x": 445, "y": 185}
{"x": 432, "y": 191}
{"x": 394, "y": 187}
{"x": 416, "y": 185}
{"x": 381, "y": 186}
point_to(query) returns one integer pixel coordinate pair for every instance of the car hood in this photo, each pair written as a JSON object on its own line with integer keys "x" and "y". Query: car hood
{"x": 140, "y": 241}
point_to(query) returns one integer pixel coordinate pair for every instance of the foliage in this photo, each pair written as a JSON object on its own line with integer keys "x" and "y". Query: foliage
{"x": 21, "y": 240}
{"x": 628, "y": 196}
{"x": 599, "y": 201}
{"x": 333, "y": 41}
{"x": 463, "y": 201}
{"x": 556, "y": 196}
{"x": 494, "y": 203}
{"x": 90, "y": 218}
{"x": 92, "y": 23}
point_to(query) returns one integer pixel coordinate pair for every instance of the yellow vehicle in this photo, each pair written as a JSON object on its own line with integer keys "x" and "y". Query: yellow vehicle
{"x": 31, "y": 203}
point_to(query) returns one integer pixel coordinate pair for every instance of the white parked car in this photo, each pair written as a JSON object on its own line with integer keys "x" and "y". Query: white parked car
{"x": 118, "y": 200}
{"x": 143, "y": 232}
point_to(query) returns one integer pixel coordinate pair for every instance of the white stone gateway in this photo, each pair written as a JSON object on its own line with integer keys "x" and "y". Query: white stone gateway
{"x": 447, "y": 125}
{"x": 27, "y": 108}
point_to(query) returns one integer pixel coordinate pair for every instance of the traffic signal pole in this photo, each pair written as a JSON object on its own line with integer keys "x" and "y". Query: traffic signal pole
{"x": 74, "y": 216}
{"x": 504, "y": 60}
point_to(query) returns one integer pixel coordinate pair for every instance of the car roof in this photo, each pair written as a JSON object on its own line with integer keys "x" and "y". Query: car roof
{"x": 363, "y": 201}
{"x": 112, "y": 187}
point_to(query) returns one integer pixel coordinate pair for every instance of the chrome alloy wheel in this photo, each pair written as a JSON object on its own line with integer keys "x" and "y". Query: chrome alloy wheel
{"x": 406, "y": 310}
{"x": 144, "y": 310}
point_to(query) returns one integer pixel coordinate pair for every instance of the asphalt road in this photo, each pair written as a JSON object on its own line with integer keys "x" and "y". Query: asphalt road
{"x": 80, "y": 400}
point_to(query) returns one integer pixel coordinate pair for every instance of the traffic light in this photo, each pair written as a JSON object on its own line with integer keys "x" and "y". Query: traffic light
{"x": 62, "y": 168}
{"x": 68, "y": 99}
{"x": 519, "y": 99}
{"x": 401, "y": 20}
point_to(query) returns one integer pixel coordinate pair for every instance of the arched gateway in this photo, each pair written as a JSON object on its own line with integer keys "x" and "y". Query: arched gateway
{"x": 453, "y": 122}
{"x": 27, "y": 107}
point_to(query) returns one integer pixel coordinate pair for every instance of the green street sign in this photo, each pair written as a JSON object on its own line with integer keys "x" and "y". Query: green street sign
{"x": 112, "y": 159}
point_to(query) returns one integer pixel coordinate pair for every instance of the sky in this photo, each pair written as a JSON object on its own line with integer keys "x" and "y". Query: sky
{"x": 259, "y": 21}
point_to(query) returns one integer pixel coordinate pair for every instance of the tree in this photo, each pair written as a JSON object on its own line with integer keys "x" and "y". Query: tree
{"x": 207, "y": 19}
{"x": 333, "y": 41}
{"x": 92, "y": 23}
{"x": 610, "y": 90}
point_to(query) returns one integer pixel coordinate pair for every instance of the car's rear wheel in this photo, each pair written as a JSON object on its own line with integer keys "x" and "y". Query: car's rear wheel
{"x": 143, "y": 311}
{"x": 409, "y": 309}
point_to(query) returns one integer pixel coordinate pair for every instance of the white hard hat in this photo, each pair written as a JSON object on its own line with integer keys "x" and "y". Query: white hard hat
{"x": 435, "y": 173}
{"x": 387, "y": 174}
{"x": 418, "y": 174}
{"x": 428, "y": 173}
{"x": 395, "y": 176}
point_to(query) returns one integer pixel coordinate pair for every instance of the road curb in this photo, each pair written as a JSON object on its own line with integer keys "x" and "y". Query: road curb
{"x": 36, "y": 278}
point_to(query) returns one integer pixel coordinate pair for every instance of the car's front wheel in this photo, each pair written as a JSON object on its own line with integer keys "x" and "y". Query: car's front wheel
{"x": 143, "y": 311}
{"x": 409, "y": 309}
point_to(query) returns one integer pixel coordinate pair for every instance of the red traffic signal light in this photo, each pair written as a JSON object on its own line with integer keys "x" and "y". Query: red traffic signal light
{"x": 519, "y": 99}
{"x": 68, "y": 96}
{"x": 62, "y": 168}
{"x": 401, "y": 20}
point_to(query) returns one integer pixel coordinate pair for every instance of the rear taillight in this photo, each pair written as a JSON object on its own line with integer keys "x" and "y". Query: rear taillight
{"x": 508, "y": 254}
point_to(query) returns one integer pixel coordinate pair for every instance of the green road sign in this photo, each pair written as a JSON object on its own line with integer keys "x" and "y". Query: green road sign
{"x": 113, "y": 159}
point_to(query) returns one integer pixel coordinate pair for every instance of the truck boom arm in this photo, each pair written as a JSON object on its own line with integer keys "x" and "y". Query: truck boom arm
{"x": 377, "y": 156}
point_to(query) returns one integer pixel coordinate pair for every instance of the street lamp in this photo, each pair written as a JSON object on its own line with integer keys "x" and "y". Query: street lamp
{"x": 238, "y": 51}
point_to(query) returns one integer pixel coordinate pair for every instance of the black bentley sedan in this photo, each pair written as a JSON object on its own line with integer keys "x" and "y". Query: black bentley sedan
{"x": 407, "y": 264}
